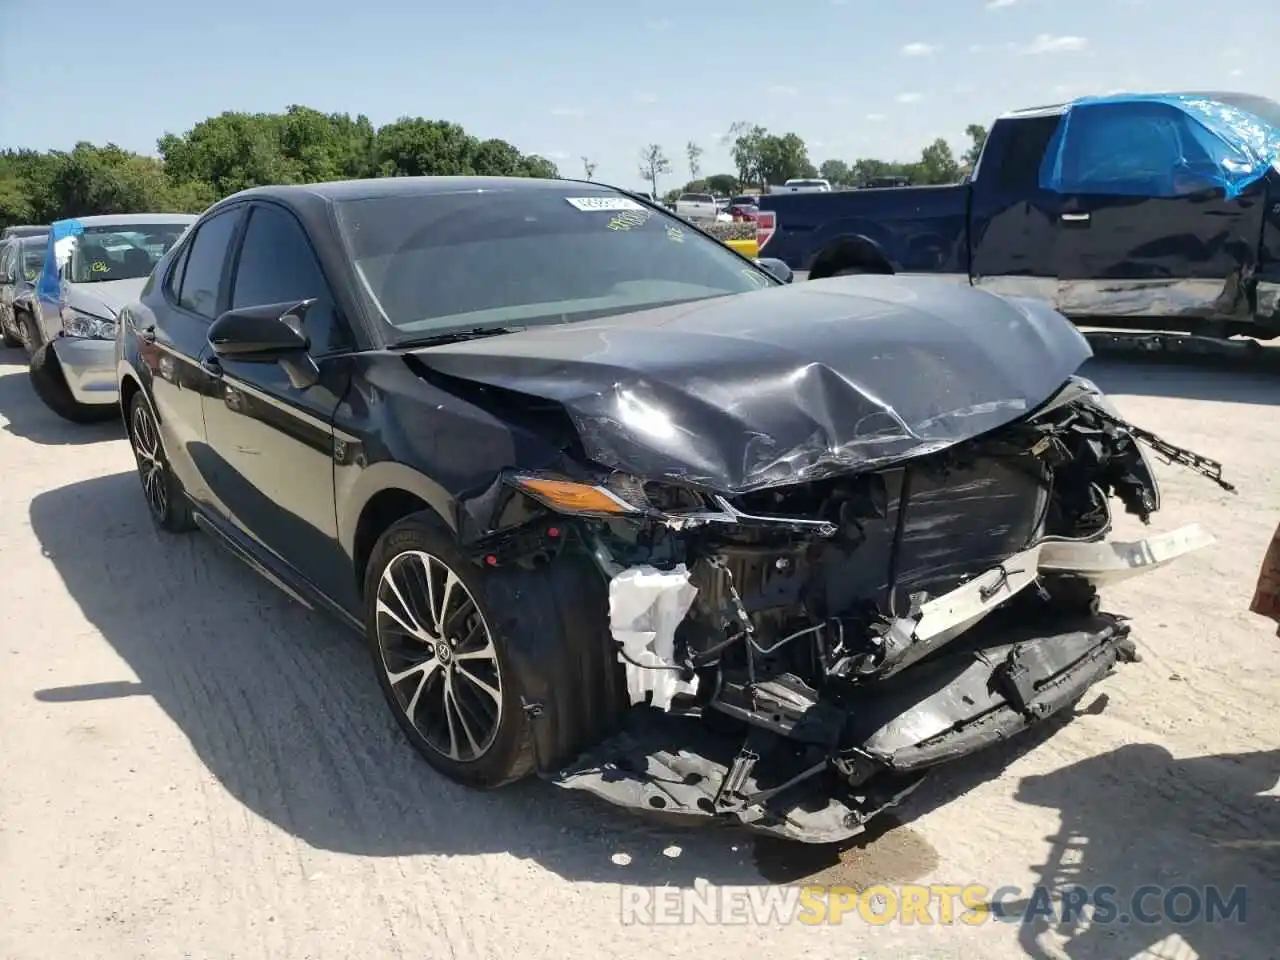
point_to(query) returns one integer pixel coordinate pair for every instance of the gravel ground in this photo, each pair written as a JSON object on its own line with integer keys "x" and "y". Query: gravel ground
{"x": 195, "y": 766}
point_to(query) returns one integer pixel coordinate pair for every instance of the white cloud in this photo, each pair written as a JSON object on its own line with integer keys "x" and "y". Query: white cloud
{"x": 1048, "y": 43}
{"x": 910, "y": 97}
{"x": 568, "y": 112}
{"x": 646, "y": 98}
{"x": 876, "y": 117}
{"x": 919, "y": 49}
{"x": 1000, "y": 4}
{"x": 782, "y": 90}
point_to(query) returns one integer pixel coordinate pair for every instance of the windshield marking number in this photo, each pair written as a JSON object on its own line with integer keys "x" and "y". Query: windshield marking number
{"x": 606, "y": 204}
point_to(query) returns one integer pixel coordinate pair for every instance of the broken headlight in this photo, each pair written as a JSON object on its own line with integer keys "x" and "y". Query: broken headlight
{"x": 616, "y": 495}
{"x": 1103, "y": 402}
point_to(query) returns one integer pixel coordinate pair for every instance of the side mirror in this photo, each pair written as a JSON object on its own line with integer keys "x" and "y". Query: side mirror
{"x": 776, "y": 267}
{"x": 270, "y": 333}
{"x": 261, "y": 333}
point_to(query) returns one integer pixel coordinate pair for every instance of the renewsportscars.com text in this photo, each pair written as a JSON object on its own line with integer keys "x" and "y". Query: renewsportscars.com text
{"x": 932, "y": 904}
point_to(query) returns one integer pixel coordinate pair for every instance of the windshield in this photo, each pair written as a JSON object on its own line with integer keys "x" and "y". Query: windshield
{"x": 122, "y": 252}
{"x": 33, "y": 259}
{"x": 439, "y": 262}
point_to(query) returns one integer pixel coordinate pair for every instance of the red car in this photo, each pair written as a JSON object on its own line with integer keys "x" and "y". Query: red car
{"x": 744, "y": 208}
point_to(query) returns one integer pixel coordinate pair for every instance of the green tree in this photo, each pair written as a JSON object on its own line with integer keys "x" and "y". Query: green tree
{"x": 694, "y": 153}
{"x": 835, "y": 172}
{"x": 654, "y": 164}
{"x": 783, "y": 158}
{"x": 746, "y": 141}
{"x": 938, "y": 164}
{"x": 723, "y": 184}
{"x": 977, "y": 135}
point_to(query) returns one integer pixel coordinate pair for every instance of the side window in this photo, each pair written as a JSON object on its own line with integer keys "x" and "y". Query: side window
{"x": 202, "y": 271}
{"x": 1126, "y": 149}
{"x": 277, "y": 265}
{"x": 6, "y": 261}
{"x": 1025, "y": 145}
{"x": 173, "y": 282}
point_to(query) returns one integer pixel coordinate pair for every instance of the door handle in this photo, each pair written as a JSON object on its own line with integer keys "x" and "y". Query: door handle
{"x": 1076, "y": 217}
{"x": 211, "y": 366}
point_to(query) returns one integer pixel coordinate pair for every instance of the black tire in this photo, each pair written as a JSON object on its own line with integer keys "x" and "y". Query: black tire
{"x": 166, "y": 500}
{"x": 51, "y": 387}
{"x": 549, "y": 633}
{"x": 28, "y": 325}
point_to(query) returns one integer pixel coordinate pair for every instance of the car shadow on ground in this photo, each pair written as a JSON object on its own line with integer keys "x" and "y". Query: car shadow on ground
{"x": 26, "y": 416}
{"x": 282, "y": 707}
{"x": 1229, "y": 380}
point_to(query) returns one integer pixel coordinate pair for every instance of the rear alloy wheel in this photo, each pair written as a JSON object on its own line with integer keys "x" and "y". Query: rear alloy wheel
{"x": 164, "y": 495}
{"x": 440, "y": 658}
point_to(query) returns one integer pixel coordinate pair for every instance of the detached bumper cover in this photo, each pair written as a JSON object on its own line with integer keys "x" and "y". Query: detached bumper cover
{"x": 954, "y": 706}
{"x": 981, "y": 671}
{"x": 89, "y": 367}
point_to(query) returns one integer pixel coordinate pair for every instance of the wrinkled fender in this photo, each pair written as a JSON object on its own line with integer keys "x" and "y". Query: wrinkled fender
{"x": 356, "y": 485}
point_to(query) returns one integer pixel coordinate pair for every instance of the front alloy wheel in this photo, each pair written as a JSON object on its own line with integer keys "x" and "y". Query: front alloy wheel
{"x": 164, "y": 495}
{"x": 439, "y": 657}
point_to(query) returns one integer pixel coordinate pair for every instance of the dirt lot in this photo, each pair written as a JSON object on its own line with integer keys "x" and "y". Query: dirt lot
{"x": 194, "y": 766}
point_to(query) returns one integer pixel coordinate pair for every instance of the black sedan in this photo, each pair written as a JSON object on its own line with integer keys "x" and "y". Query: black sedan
{"x": 614, "y": 504}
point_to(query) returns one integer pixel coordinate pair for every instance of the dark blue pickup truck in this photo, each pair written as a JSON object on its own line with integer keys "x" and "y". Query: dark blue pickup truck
{"x": 1157, "y": 211}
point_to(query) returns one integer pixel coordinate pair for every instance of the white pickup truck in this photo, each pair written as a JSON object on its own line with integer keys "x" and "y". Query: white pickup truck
{"x": 697, "y": 206}
{"x": 803, "y": 186}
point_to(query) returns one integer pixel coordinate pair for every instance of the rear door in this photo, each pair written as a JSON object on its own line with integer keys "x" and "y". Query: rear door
{"x": 193, "y": 293}
{"x": 271, "y": 442}
{"x": 1145, "y": 232}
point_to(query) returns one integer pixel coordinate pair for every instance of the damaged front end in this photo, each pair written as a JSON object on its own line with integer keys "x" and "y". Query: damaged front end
{"x": 799, "y": 655}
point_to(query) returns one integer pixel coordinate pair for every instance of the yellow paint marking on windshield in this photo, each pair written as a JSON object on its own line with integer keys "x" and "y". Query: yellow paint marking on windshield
{"x": 31, "y": 274}
{"x": 675, "y": 234}
{"x": 99, "y": 266}
{"x": 629, "y": 219}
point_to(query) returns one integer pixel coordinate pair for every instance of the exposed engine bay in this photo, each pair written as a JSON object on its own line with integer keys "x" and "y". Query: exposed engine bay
{"x": 799, "y": 656}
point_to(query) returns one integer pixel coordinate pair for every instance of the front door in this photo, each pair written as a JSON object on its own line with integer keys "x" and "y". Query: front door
{"x": 1145, "y": 232}
{"x": 271, "y": 440}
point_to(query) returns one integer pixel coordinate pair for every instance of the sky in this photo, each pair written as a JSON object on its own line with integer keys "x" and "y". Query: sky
{"x": 569, "y": 79}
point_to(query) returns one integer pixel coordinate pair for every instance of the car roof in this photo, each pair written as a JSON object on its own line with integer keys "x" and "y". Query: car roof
{"x": 129, "y": 219}
{"x": 377, "y": 187}
{"x": 1225, "y": 96}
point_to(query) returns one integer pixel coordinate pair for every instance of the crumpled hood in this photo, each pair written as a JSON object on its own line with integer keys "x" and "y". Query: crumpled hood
{"x": 105, "y": 298}
{"x": 789, "y": 384}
